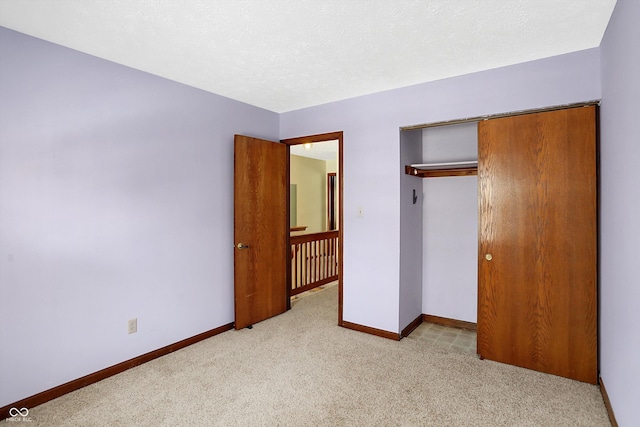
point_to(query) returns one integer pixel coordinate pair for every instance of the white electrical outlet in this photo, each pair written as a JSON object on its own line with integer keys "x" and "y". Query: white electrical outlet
{"x": 133, "y": 326}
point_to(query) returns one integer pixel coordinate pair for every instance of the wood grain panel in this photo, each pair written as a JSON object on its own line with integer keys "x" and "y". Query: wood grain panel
{"x": 261, "y": 186}
{"x": 537, "y": 302}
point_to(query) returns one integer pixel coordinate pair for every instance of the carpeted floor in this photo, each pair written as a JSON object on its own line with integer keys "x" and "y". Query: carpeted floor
{"x": 300, "y": 369}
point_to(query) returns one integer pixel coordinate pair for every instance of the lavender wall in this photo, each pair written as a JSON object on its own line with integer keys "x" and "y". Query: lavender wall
{"x": 372, "y": 158}
{"x": 619, "y": 212}
{"x": 116, "y": 202}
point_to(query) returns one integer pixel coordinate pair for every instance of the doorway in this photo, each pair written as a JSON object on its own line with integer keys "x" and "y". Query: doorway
{"x": 308, "y": 142}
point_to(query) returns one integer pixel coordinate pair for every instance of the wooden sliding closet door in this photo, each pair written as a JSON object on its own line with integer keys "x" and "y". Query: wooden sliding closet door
{"x": 537, "y": 294}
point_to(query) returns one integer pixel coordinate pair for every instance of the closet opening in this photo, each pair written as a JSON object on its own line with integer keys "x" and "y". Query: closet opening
{"x": 447, "y": 212}
{"x": 506, "y": 235}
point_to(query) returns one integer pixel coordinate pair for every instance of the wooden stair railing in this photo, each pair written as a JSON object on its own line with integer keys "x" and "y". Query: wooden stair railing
{"x": 314, "y": 260}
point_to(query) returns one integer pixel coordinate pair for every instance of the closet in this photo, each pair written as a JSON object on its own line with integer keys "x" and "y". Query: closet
{"x": 450, "y": 222}
{"x": 537, "y": 239}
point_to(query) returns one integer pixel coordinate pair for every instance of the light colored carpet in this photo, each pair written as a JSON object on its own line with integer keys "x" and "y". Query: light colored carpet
{"x": 300, "y": 369}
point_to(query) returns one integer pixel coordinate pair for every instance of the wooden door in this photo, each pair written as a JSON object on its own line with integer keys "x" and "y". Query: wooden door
{"x": 261, "y": 229}
{"x": 537, "y": 305}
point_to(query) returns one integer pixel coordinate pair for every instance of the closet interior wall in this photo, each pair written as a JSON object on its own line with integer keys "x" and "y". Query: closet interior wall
{"x": 410, "y": 296}
{"x": 450, "y": 226}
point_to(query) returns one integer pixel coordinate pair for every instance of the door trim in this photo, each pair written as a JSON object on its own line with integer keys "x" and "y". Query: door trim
{"x": 330, "y": 136}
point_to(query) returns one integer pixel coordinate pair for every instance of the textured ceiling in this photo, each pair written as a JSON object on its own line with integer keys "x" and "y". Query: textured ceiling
{"x": 284, "y": 55}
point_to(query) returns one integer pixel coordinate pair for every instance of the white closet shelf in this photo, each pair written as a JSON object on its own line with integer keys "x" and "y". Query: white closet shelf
{"x": 432, "y": 170}
{"x": 446, "y": 165}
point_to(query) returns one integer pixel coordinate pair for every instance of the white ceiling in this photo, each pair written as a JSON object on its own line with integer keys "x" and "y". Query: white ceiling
{"x": 284, "y": 55}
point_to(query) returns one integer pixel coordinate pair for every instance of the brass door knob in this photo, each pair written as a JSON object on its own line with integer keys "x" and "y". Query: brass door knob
{"x": 242, "y": 246}
{"x": 488, "y": 257}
